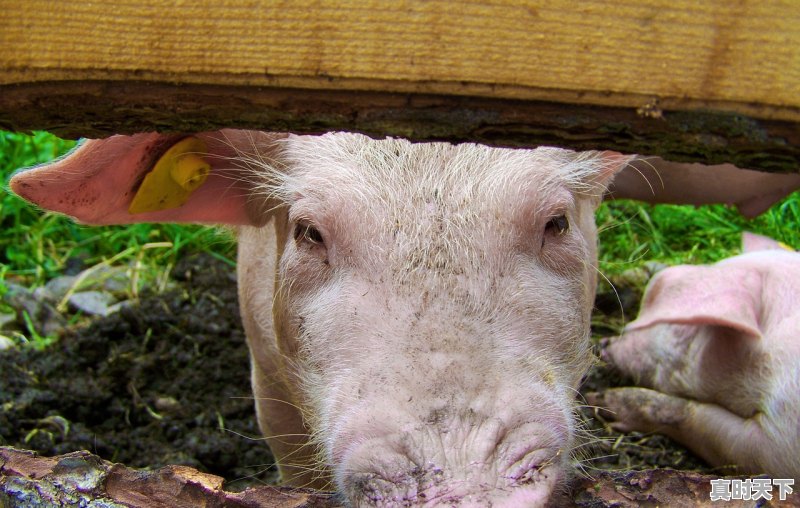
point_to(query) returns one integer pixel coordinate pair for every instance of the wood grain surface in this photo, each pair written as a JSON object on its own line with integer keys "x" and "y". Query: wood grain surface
{"x": 741, "y": 56}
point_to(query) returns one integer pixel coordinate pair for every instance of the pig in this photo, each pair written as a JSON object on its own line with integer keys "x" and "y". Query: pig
{"x": 715, "y": 351}
{"x": 417, "y": 314}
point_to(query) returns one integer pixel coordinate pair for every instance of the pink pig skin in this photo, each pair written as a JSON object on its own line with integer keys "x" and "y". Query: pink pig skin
{"x": 716, "y": 349}
{"x": 378, "y": 339}
{"x": 417, "y": 314}
{"x": 655, "y": 180}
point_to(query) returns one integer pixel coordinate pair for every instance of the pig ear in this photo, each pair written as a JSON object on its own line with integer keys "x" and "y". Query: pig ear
{"x": 752, "y": 242}
{"x": 172, "y": 178}
{"x": 596, "y": 170}
{"x": 611, "y": 163}
{"x": 703, "y": 296}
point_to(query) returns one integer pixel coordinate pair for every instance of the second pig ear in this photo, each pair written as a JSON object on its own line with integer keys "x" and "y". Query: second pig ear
{"x": 703, "y": 296}
{"x": 752, "y": 242}
{"x": 202, "y": 178}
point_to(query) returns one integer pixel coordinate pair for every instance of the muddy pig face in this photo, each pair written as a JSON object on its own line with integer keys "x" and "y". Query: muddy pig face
{"x": 422, "y": 310}
{"x": 439, "y": 298}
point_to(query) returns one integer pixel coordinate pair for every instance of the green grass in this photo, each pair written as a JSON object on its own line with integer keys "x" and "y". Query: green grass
{"x": 632, "y": 233}
{"x": 35, "y": 246}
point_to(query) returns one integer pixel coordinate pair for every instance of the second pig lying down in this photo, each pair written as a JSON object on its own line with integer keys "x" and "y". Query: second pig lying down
{"x": 417, "y": 314}
{"x": 717, "y": 351}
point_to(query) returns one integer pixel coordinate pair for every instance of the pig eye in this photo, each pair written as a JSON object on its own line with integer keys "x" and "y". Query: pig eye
{"x": 308, "y": 233}
{"x": 557, "y": 225}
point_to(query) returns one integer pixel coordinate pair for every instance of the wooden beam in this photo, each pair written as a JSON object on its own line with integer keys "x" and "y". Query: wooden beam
{"x": 689, "y": 81}
{"x": 100, "y": 108}
{"x": 88, "y": 479}
{"x": 744, "y": 54}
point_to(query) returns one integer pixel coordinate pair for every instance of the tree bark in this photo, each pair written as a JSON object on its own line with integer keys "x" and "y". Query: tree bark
{"x": 102, "y": 108}
{"x": 80, "y": 478}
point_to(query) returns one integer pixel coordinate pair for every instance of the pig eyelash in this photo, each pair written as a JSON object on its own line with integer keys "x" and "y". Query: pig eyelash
{"x": 555, "y": 228}
{"x": 308, "y": 233}
{"x": 557, "y": 225}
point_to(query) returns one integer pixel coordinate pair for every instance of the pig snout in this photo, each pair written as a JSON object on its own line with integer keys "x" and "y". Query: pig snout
{"x": 449, "y": 433}
{"x": 461, "y": 462}
{"x": 467, "y": 458}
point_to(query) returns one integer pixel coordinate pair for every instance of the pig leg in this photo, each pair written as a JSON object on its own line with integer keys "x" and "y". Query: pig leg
{"x": 681, "y": 367}
{"x": 654, "y": 180}
{"x": 719, "y": 436}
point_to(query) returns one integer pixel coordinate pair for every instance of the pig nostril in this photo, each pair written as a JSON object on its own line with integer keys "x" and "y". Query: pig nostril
{"x": 533, "y": 467}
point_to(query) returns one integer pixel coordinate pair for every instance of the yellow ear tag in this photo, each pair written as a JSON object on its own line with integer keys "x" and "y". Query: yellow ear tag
{"x": 178, "y": 173}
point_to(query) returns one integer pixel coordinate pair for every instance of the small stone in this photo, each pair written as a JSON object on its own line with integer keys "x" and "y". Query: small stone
{"x": 166, "y": 404}
{"x": 113, "y": 279}
{"x": 52, "y": 323}
{"x": 94, "y": 303}
{"x": 42, "y": 315}
{"x": 7, "y": 320}
{"x": 17, "y": 295}
{"x": 6, "y": 343}
{"x": 58, "y": 287}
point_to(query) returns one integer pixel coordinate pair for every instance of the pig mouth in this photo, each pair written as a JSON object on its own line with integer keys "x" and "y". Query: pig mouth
{"x": 527, "y": 479}
{"x": 428, "y": 488}
{"x": 465, "y": 458}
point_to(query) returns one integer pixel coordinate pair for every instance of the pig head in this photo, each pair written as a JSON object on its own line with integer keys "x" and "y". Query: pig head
{"x": 715, "y": 349}
{"x": 417, "y": 314}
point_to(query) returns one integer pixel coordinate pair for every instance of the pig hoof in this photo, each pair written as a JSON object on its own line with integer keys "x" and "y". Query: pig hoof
{"x": 611, "y": 412}
{"x": 597, "y": 401}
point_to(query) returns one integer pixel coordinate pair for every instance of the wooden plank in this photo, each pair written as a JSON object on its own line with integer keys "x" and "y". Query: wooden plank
{"x": 689, "y": 81}
{"x": 739, "y": 56}
{"x": 81, "y": 477}
{"x": 97, "y": 109}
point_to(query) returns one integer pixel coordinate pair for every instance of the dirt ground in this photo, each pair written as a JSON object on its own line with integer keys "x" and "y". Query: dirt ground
{"x": 167, "y": 382}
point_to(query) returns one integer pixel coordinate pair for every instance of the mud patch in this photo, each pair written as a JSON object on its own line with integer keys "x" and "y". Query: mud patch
{"x": 162, "y": 382}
